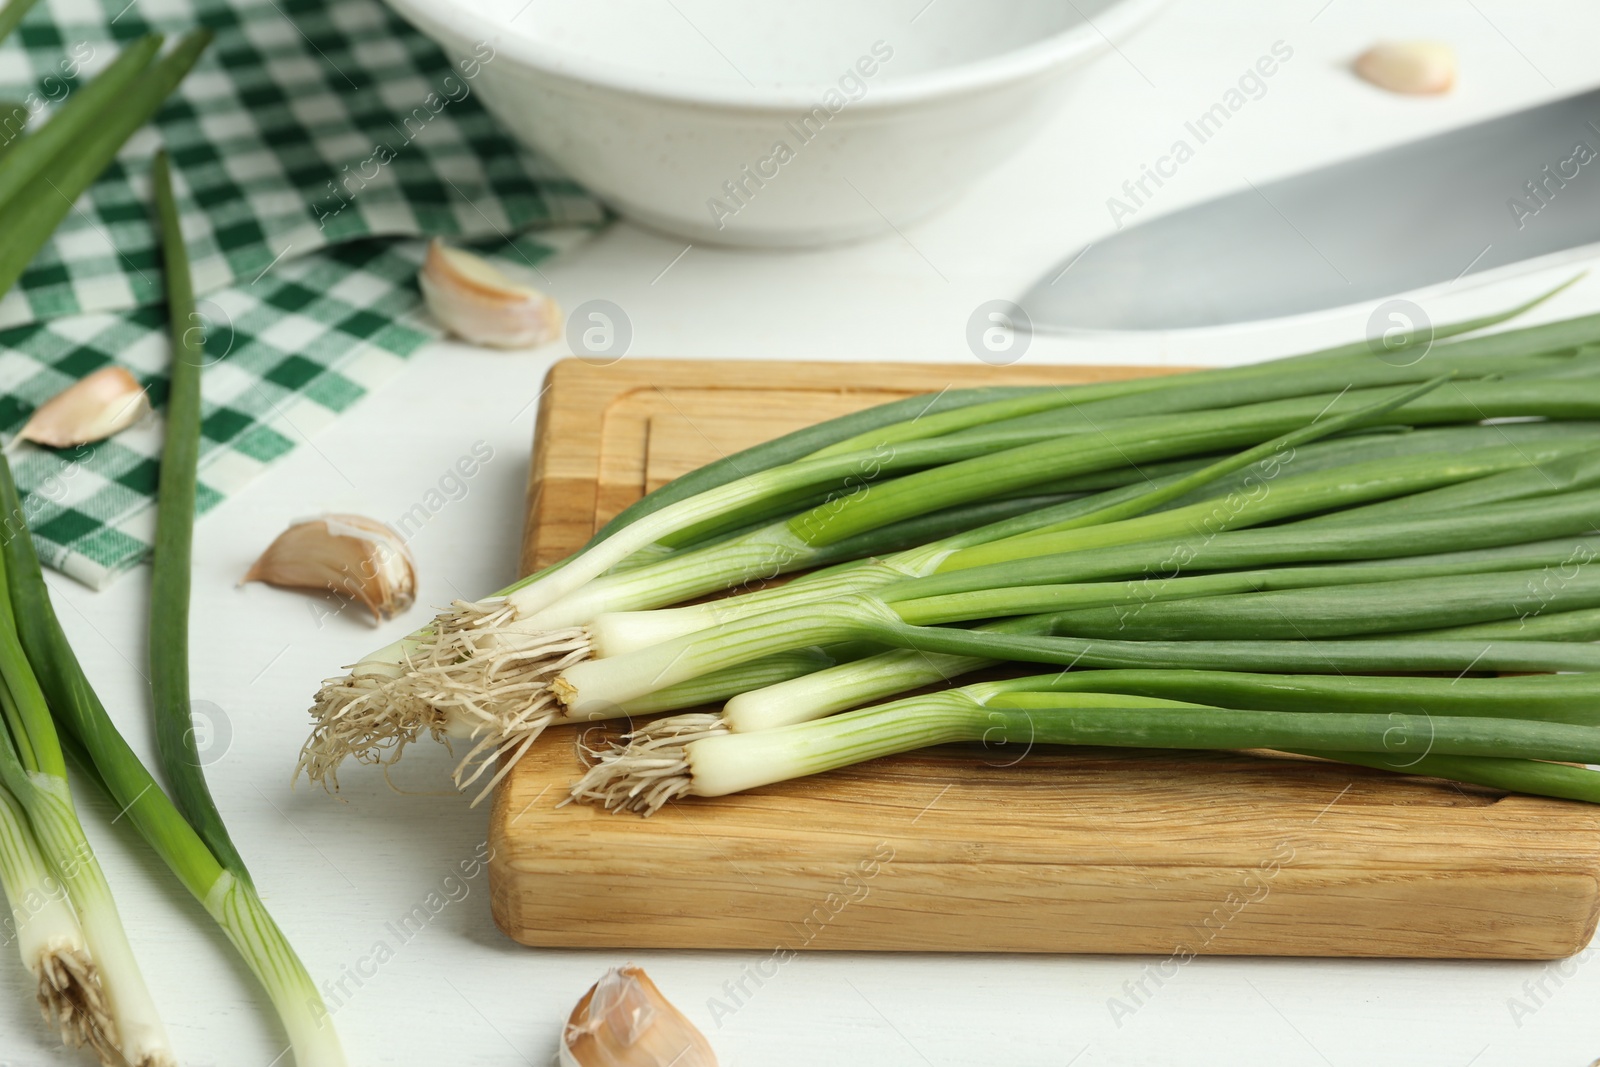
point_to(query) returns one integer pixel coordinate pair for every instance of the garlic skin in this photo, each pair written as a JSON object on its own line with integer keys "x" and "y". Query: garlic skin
{"x": 359, "y": 557}
{"x": 89, "y": 410}
{"x": 478, "y": 302}
{"x": 624, "y": 1021}
{"x": 1417, "y": 67}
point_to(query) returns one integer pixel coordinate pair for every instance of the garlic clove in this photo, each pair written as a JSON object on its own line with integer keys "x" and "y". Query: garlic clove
{"x": 478, "y": 302}
{"x": 1409, "y": 66}
{"x": 88, "y": 410}
{"x": 359, "y": 557}
{"x": 624, "y": 1021}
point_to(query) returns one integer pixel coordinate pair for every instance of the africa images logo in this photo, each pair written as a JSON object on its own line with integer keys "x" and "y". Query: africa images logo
{"x": 1251, "y": 85}
{"x": 739, "y": 190}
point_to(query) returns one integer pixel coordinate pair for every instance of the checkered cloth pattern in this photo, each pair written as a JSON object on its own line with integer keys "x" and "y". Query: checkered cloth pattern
{"x": 310, "y": 140}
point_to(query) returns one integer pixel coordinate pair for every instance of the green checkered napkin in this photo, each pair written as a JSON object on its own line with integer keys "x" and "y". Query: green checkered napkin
{"x": 308, "y": 131}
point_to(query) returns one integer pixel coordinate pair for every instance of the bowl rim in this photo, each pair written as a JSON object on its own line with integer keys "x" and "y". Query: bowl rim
{"x": 453, "y": 20}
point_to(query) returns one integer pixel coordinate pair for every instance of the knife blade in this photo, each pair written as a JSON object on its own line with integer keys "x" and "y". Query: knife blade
{"x": 1474, "y": 199}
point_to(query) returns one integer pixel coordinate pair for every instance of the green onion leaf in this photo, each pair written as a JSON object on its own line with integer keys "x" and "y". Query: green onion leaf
{"x": 169, "y": 573}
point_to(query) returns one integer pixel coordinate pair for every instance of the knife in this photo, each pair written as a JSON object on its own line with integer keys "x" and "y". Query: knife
{"x": 1514, "y": 188}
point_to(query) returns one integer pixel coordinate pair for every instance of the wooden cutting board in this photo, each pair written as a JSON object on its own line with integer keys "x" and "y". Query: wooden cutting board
{"x": 959, "y": 850}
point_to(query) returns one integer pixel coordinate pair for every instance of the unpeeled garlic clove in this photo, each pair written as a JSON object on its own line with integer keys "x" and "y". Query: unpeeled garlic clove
{"x": 1409, "y": 66}
{"x": 88, "y": 410}
{"x": 624, "y": 1021}
{"x": 359, "y": 557}
{"x": 478, "y": 302}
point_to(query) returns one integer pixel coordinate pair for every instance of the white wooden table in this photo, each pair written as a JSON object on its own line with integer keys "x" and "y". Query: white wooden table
{"x": 340, "y": 875}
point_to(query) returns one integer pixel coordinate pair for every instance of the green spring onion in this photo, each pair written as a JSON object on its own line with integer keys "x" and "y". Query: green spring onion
{"x": 1343, "y": 611}
{"x": 32, "y": 214}
{"x": 33, "y": 769}
{"x": 231, "y": 902}
{"x": 702, "y": 760}
{"x": 170, "y": 564}
{"x": 75, "y": 120}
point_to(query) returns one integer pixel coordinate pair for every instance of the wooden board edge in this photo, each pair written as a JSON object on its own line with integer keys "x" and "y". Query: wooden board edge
{"x": 1547, "y": 924}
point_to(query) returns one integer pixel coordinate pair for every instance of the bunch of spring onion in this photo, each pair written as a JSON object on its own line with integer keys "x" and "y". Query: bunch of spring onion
{"x": 1036, "y": 525}
{"x": 1294, "y": 598}
{"x": 67, "y": 924}
{"x": 64, "y": 921}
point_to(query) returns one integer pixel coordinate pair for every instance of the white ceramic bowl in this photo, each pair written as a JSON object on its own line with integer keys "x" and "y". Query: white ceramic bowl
{"x": 773, "y": 122}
